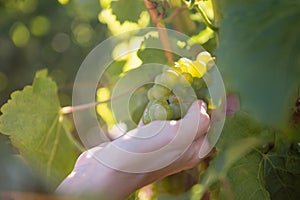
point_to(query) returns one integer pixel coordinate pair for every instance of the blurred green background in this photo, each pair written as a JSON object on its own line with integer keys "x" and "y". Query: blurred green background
{"x": 46, "y": 34}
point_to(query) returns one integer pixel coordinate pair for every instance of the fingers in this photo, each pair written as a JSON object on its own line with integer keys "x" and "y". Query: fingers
{"x": 84, "y": 157}
{"x": 197, "y": 115}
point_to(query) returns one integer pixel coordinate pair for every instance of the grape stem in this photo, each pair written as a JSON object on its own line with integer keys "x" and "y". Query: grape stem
{"x": 160, "y": 25}
{"x": 70, "y": 109}
{"x": 205, "y": 18}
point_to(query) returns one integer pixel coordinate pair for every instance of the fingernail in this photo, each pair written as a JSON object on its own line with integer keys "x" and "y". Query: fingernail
{"x": 202, "y": 104}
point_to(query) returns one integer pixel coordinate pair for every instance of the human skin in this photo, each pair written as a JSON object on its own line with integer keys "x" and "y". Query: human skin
{"x": 92, "y": 178}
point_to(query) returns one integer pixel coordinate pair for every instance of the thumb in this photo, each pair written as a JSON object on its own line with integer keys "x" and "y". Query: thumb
{"x": 197, "y": 115}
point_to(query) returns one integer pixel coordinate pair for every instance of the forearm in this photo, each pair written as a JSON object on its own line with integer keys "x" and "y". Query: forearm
{"x": 106, "y": 183}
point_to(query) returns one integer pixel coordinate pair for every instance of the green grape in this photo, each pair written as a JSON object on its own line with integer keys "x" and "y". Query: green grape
{"x": 210, "y": 64}
{"x": 169, "y": 78}
{"x": 150, "y": 94}
{"x": 176, "y": 110}
{"x": 157, "y": 79}
{"x": 160, "y": 92}
{"x": 173, "y": 99}
{"x": 198, "y": 69}
{"x": 197, "y": 83}
{"x": 204, "y": 56}
{"x": 180, "y": 90}
{"x": 178, "y": 183}
{"x": 177, "y": 87}
{"x": 189, "y": 99}
{"x": 202, "y": 94}
{"x": 184, "y": 107}
{"x": 208, "y": 79}
{"x": 146, "y": 118}
{"x": 160, "y": 111}
{"x": 188, "y": 77}
{"x": 176, "y": 68}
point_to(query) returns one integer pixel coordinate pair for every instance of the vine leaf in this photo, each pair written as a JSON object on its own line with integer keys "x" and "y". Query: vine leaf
{"x": 235, "y": 161}
{"x": 259, "y": 55}
{"x": 148, "y": 54}
{"x": 152, "y": 51}
{"x": 33, "y": 122}
{"x": 246, "y": 170}
{"x": 282, "y": 173}
{"x": 245, "y": 179}
{"x": 128, "y": 10}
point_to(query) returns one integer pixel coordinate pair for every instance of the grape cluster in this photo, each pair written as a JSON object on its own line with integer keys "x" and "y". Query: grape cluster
{"x": 177, "y": 88}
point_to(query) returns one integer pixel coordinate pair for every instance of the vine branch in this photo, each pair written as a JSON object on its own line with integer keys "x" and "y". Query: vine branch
{"x": 156, "y": 19}
{"x": 71, "y": 109}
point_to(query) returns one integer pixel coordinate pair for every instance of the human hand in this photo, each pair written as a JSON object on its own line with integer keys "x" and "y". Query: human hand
{"x": 122, "y": 175}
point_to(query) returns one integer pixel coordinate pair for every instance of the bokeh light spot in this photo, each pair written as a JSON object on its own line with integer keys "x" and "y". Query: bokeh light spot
{"x": 61, "y": 42}
{"x": 83, "y": 34}
{"x": 39, "y": 25}
{"x": 63, "y": 2}
{"x": 20, "y": 34}
{"x": 103, "y": 109}
{"x": 26, "y": 6}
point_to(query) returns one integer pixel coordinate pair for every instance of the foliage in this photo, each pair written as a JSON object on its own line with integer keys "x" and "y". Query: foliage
{"x": 263, "y": 37}
{"x": 33, "y": 122}
{"x": 121, "y": 9}
{"x": 256, "y": 46}
{"x": 45, "y": 34}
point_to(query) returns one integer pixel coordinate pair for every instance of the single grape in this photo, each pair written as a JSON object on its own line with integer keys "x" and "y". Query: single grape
{"x": 202, "y": 93}
{"x": 187, "y": 77}
{"x": 180, "y": 90}
{"x": 173, "y": 99}
{"x": 176, "y": 110}
{"x": 198, "y": 69}
{"x": 157, "y": 79}
{"x": 210, "y": 64}
{"x": 184, "y": 64}
{"x": 197, "y": 83}
{"x": 176, "y": 68}
{"x": 204, "y": 56}
{"x": 150, "y": 94}
{"x": 146, "y": 117}
{"x": 208, "y": 79}
{"x": 169, "y": 78}
{"x": 160, "y": 92}
{"x": 160, "y": 111}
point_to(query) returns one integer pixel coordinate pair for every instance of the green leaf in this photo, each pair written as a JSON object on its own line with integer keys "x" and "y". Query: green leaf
{"x": 282, "y": 173}
{"x": 152, "y": 55}
{"x": 33, "y": 122}
{"x": 237, "y": 160}
{"x": 246, "y": 169}
{"x": 245, "y": 180}
{"x": 275, "y": 175}
{"x": 152, "y": 51}
{"x": 237, "y": 127}
{"x": 259, "y": 55}
{"x": 128, "y": 10}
